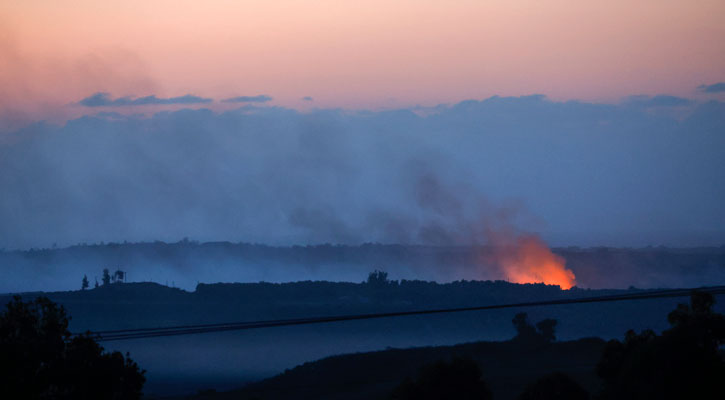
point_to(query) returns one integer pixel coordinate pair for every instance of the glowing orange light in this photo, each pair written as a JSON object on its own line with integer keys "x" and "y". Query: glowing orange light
{"x": 527, "y": 259}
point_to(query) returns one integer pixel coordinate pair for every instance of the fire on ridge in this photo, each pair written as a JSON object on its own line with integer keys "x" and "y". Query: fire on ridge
{"x": 527, "y": 259}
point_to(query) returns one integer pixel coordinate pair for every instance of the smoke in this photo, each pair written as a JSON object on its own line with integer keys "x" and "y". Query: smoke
{"x": 467, "y": 216}
{"x": 597, "y": 174}
{"x": 39, "y": 86}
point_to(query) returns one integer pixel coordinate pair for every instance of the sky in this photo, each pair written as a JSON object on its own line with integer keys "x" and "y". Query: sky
{"x": 355, "y": 54}
{"x": 286, "y": 121}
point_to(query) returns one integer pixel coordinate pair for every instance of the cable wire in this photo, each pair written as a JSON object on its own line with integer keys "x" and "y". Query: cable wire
{"x": 143, "y": 333}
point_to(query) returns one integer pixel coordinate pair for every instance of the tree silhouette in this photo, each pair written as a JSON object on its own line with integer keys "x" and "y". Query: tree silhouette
{"x": 106, "y": 277}
{"x": 458, "y": 380}
{"x": 84, "y": 283}
{"x": 118, "y": 275}
{"x": 683, "y": 362}
{"x": 547, "y": 329}
{"x": 40, "y": 360}
{"x": 555, "y": 386}
{"x": 378, "y": 278}
{"x": 543, "y": 332}
{"x": 524, "y": 330}
{"x": 89, "y": 373}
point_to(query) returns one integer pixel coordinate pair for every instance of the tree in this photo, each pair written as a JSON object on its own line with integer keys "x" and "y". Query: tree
{"x": 378, "y": 278}
{"x": 91, "y": 373}
{"x": 524, "y": 330}
{"x": 683, "y": 362}
{"x": 40, "y": 360}
{"x": 84, "y": 283}
{"x": 106, "y": 277}
{"x": 555, "y": 386}
{"x": 543, "y": 332}
{"x": 458, "y": 380}
{"x": 547, "y": 329}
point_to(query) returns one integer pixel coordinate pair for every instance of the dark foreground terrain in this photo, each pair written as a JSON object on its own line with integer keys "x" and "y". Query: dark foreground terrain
{"x": 507, "y": 367}
{"x": 228, "y": 360}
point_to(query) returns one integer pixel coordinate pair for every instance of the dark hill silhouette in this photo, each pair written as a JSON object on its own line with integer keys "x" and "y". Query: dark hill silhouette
{"x": 252, "y": 355}
{"x": 685, "y": 361}
{"x": 554, "y": 386}
{"x": 505, "y": 366}
{"x": 461, "y": 379}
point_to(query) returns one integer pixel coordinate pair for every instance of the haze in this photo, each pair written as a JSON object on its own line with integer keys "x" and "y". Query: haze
{"x": 287, "y": 122}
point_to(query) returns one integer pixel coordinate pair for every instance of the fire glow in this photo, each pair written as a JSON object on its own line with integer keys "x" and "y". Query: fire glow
{"x": 527, "y": 259}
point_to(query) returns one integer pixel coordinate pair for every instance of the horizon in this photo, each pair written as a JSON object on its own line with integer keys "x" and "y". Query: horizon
{"x": 512, "y": 124}
{"x": 553, "y": 162}
{"x": 193, "y": 242}
{"x": 188, "y": 263}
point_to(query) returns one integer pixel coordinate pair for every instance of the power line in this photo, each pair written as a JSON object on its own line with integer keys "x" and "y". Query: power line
{"x": 142, "y": 333}
{"x": 206, "y": 328}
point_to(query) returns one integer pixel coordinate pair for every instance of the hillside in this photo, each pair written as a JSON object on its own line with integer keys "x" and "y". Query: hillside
{"x": 227, "y": 360}
{"x": 507, "y": 367}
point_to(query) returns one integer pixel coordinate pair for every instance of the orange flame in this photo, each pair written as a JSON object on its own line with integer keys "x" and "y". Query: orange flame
{"x": 527, "y": 259}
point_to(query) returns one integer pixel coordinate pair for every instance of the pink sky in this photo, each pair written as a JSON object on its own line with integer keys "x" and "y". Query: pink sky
{"x": 369, "y": 54}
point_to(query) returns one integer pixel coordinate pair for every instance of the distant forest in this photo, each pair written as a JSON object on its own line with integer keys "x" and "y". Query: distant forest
{"x": 187, "y": 262}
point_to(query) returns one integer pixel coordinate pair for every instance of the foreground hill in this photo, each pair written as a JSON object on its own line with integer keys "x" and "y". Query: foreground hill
{"x": 507, "y": 368}
{"x": 227, "y": 360}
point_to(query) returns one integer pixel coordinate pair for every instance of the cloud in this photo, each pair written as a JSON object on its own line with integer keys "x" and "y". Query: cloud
{"x": 308, "y": 98}
{"x": 262, "y": 98}
{"x": 102, "y": 99}
{"x": 714, "y": 88}
{"x": 661, "y": 100}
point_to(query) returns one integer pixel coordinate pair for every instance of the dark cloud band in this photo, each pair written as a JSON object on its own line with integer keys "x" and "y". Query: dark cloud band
{"x": 104, "y": 100}
{"x": 661, "y": 100}
{"x": 262, "y": 98}
{"x": 714, "y": 88}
